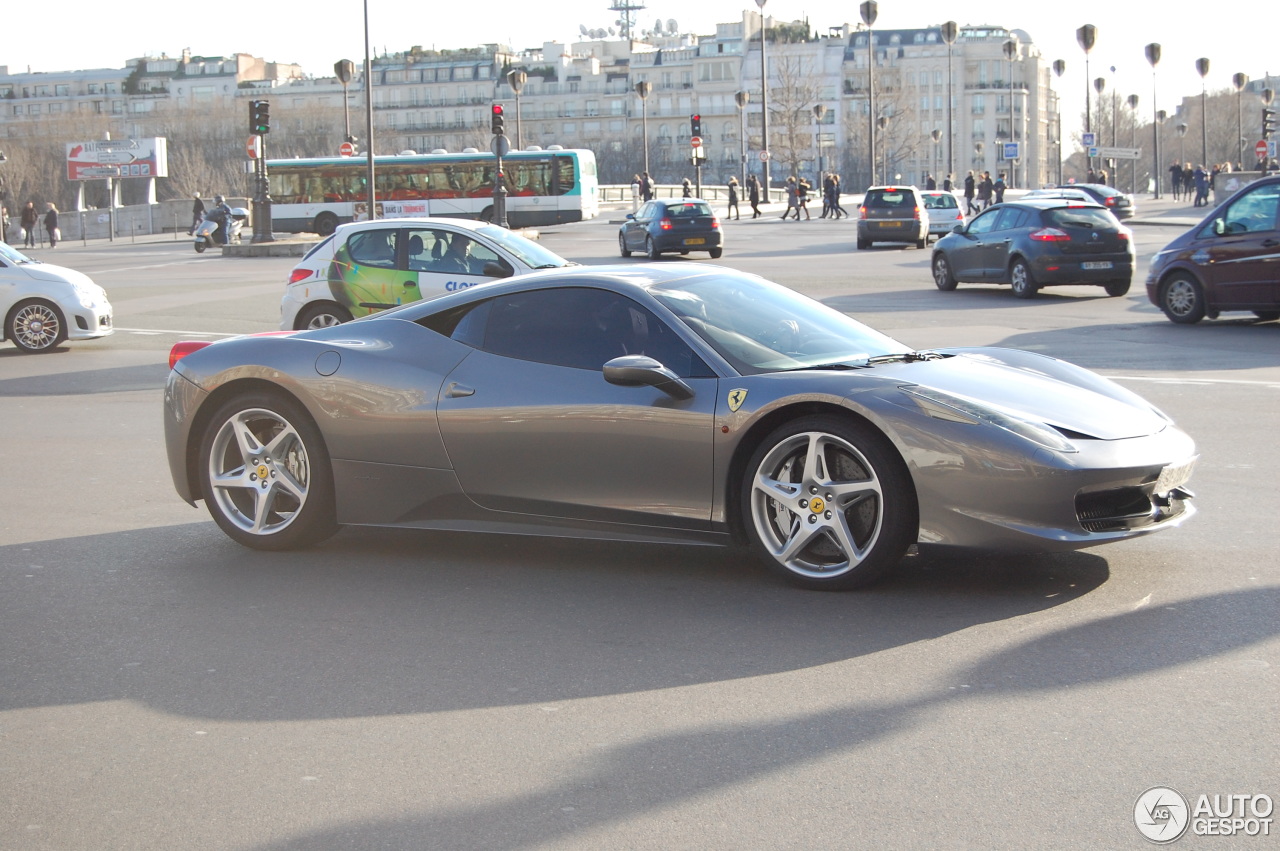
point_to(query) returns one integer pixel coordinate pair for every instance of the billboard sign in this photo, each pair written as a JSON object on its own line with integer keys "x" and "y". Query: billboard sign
{"x": 103, "y": 158}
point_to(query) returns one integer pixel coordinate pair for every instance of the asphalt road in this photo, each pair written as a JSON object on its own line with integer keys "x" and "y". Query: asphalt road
{"x": 163, "y": 688}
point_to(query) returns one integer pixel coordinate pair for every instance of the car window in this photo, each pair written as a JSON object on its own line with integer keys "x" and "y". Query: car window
{"x": 1012, "y": 218}
{"x": 985, "y": 222}
{"x": 576, "y": 327}
{"x": 1254, "y": 212}
{"x": 318, "y": 246}
{"x": 940, "y": 202}
{"x": 889, "y": 199}
{"x": 690, "y": 210}
{"x": 375, "y": 248}
{"x": 1080, "y": 217}
{"x": 446, "y": 252}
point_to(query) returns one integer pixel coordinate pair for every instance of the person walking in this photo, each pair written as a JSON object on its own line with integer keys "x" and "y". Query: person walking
{"x": 802, "y": 198}
{"x": 827, "y": 186}
{"x": 999, "y": 188}
{"x": 646, "y": 186}
{"x": 929, "y": 183}
{"x": 1175, "y": 179}
{"x": 836, "y": 210}
{"x": 733, "y": 200}
{"x": 753, "y": 195}
{"x": 793, "y": 199}
{"x": 1201, "y": 178}
{"x": 968, "y": 192}
{"x": 635, "y": 192}
{"x": 197, "y": 214}
{"x": 985, "y": 189}
{"x": 28, "y": 222}
{"x": 686, "y": 188}
{"x": 948, "y": 184}
{"x": 51, "y": 225}
{"x": 4, "y": 222}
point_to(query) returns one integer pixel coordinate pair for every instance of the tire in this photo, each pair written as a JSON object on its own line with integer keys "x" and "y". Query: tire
{"x": 323, "y": 314}
{"x": 943, "y": 277}
{"x": 35, "y": 327}
{"x": 1182, "y": 299}
{"x": 622, "y": 245}
{"x": 326, "y": 224}
{"x": 1116, "y": 288}
{"x": 1267, "y": 315}
{"x": 265, "y": 473}
{"x": 1024, "y": 286}
{"x": 921, "y": 243}
{"x": 201, "y": 246}
{"x": 858, "y": 469}
{"x": 651, "y": 249}
{"x": 716, "y": 253}
{"x": 863, "y": 245}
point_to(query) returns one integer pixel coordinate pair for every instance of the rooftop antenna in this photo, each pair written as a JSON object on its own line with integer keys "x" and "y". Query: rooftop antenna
{"x": 626, "y": 10}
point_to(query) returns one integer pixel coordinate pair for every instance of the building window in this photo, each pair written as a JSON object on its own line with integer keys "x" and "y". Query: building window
{"x": 62, "y": 91}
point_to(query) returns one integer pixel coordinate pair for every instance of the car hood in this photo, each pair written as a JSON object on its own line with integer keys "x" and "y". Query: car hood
{"x": 55, "y": 274}
{"x": 1042, "y": 389}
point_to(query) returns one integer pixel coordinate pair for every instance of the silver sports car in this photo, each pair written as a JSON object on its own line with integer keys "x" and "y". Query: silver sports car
{"x": 675, "y": 403}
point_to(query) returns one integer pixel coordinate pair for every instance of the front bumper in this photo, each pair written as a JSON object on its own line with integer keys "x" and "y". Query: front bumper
{"x": 88, "y": 323}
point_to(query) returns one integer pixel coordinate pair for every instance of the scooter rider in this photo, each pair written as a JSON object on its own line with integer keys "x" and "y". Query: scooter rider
{"x": 221, "y": 214}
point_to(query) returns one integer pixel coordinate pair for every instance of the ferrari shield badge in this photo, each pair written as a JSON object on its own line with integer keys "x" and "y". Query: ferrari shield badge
{"x": 736, "y": 398}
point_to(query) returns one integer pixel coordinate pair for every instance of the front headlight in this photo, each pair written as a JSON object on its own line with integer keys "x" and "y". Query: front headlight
{"x": 944, "y": 406}
{"x": 90, "y": 295}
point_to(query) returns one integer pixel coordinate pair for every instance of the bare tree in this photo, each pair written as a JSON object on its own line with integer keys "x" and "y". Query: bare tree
{"x": 791, "y": 101}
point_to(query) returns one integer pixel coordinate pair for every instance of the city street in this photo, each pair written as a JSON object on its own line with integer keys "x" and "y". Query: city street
{"x": 163, "y": 688}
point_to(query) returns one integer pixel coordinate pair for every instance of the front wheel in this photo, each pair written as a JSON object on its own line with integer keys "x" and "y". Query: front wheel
{"x": 201, "y": 246}
{"x": 36, "y": 327}
{"x": 265, "y": 474}
{"x": 828, "y": 504}
{"x": 1024, "y": 286}
{"x": 622, "y": 245}
{"x": 1116, "y": 288}
{"x": 1182, "y": 300}
{"x": 322, "y": 315}
{"x": 943, "y": 277}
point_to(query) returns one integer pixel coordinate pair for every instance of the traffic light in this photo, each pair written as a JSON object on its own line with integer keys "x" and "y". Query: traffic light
{"x": 1268, "y": 122}
{"x": 695, "y": 125}
{"x": 259, "y": 117}
{"x": 497, "y": 122}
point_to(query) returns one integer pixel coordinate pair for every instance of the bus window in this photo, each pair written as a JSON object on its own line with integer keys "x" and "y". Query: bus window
{"x": 563, "y": 179}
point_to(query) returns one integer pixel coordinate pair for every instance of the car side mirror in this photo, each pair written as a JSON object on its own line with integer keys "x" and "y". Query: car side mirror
{"x": 640, "y": 370}
{"x": 631, "y": 215}
{"x": 494, "y": 269}
{"x": 958, "y": 229}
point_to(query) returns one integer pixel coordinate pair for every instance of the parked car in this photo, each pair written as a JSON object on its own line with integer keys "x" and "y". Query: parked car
{"x": 1230, "y": 261}
{"x": 944, "y": 212}
{"x": 1113, "y": 199}
{"x": 678, "y": 403}
{"x": 672, "y": 225}
{"x": 1038, "y": 242}
{"x": 44, "y": 305}
{"x": 365, "y": 267}
{"x": 892, "y": 214}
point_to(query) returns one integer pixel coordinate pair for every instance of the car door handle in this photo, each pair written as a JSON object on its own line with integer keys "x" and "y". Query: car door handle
{"x": 1270, "y": 243}
{"x": 457, "y": 391}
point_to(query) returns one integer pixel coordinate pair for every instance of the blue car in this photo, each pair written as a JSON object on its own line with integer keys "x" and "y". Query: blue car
{"x": 672, "y": 225}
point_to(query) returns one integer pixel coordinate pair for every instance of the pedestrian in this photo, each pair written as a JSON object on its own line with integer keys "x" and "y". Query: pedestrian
{"x": 51, "y": 225}
{"x": 1091, "y": 176}
{"x": 635, "y": 192}
{"x": 837, "y": 210}
{"x": 686, "y": 188}
{"x": 646, "y": 186}
{"x": 1103, "y": 177}
{"x": 1201, "y": 178}
{"x": 985, "y": 188}
{"x": 999, "y": 188}
{"x": 828, "y": 187}
{"x": 968, "y": 192}
{"x": 802, "y": 198}
{"x": 753, "y": 195}
{"x": 4, "y": 220}
{"x": 28, "y": 222}
{"x": 948, "y": 184}
{"x": 733, "y": 200}
{"x": 929, "y": 183}
{"x": 197, "y": 214}
{"x": 1175, "y": 179}
{"x": 793, "y": 199}
{"x": 1188, "y": 181}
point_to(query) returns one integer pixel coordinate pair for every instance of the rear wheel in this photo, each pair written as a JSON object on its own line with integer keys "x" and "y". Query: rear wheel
{"x": 716, "y": 253}
{"x": 921, "y": 243}
{"x": 622, "y": 245}
{"x": 1024, "y": 286}
{"x": 942, "y": 274}
{"x": 651, "y": 249}
{"x": 863, "y": 244}
{"x": 36, "y": 327}
{"x": 326, "y": 224}
{"x": 1116, "y": 288}
{"x": 1267, "y": 315}
{"x": 1182, "y": 299}
{"x": 265, "y": 474}
{"x": 827, "y": 503}
{"x": 322, "y": 315}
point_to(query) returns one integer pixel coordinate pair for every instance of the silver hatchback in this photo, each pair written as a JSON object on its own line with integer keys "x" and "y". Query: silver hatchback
{"x": 892, "y": 214}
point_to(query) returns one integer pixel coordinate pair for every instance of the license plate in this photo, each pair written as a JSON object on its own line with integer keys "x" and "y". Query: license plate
{"x": 1099, "y": 264}
{"x": 1174, "y": 475}
{"x": 890, "y": 224}
{"x": 695, "y": 241}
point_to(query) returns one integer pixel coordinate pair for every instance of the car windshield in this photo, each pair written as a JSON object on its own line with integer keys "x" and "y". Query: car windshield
{"x": 1082, "y": 217}
{"x": 13, "y": 255}
{"x": 940, "y": 202}
{"x": 688, "y": 209}
{"x": 890, "y": 198}
{"x": 759, "y": 326}
{"x": 529, "y": 252}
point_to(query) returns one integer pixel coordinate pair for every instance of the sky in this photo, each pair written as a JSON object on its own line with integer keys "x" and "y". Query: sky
{"x": 315, "y": 35}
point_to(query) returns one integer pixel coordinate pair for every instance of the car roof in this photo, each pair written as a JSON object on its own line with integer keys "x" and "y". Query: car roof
{"x": 1050, "y": 203}
{"x": 407, "y": 221}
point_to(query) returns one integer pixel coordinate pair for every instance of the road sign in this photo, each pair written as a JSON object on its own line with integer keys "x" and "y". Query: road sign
{"x": 696, "y": 141}
{"x": 1089, "y": 140}
{"x": 347, "y": 149}
{"x": 500, "y": 146}
{"x": 764, "y": 156}
{"x": 1260, "y": 149}
{"x": 1011, "y": 150}
{"x": 1120, "y": 153}
{"x": 1092, "y": 152}
{"x": 253, "y": 147}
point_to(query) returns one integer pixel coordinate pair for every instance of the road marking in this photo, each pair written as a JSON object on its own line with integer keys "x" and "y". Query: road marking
{"x": 1159, "y": 380}
{"x": 157, "y": 331}
{"x": 157, "y": 265}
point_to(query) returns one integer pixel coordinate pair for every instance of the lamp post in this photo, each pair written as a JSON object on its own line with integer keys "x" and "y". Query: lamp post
{"x": 1010, "y": 53}
{"x": 764, "y": 107}
{"x": 1202, "y": 68}
{"x": 1086, "y": 37}
{"x": 1115, "y": 98}
{"x": 516, "y": 79}
{"x": 1182, "y": 147}
{"x": 1099, "y": 86}
{"x": 882, "y": 122}
{"x": 1059, "y": 67}
{"x": 869, "y": 9}
{"x": 1239, "y": 80}
{"x": 742, "y": 99}
{"x": 977, "y": 153}
{"x": 1133, "y": 128}
{"x": 819, "y": 112}
{"x": 949, "y": 33}
{"x": 371, "y": 191}
{"x": 345, "y": 69}
{"x": 643, "y": 89}
{"x": 1153, "y": 56}
{"x": 936, "y": 135}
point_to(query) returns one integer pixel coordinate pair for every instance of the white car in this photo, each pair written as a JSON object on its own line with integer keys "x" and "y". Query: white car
{"x": 44, "y": 305}
{"x": 365, "y": 267}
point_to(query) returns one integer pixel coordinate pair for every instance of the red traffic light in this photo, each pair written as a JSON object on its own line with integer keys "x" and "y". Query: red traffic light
{"x": 496, "y": 121}
{"x": 497, "y": 109}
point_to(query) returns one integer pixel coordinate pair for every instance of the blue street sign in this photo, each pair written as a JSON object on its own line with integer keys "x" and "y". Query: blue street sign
{"x": 1011, "y": 150}
{"x": 1089, "y": 140}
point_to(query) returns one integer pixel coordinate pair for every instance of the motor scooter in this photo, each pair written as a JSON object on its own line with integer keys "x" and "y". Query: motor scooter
{"x": 205, "y": 232}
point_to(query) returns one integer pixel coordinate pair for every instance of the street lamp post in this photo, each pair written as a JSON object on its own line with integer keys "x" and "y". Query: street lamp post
{"x": 764, "y": 107}
{"x": 643, "y": 89}
{"x": 742, "y": 99}
{"x": 819, "y": 112}
{"x": 1239, "y": 80}
{"x": 1100, "y": 85}
{"x": 1010, "y": 53}
{"x": 1133, "y": 128}
{"x": 936, "y": 135}
{"x": 949, "y": 33}
{"x": 1059, "y": 67}
{"x": 345, "y": 69}
{"x": 870, "y": 9}
{"x": 371, "y": 190}
{"x": 516, "y": 79}
{"x": 1182, "y": 147}
{"x": 882, "y": 122}
{"x": 1202, "y": 68}
{"x": 1153, "y": 56}
{"x": 1087, "y": 37}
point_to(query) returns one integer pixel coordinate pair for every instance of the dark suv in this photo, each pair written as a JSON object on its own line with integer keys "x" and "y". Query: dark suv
{"x": 1230, "y": 261}
{"x": 892, "y": 214}
{"x": 1038, "y": 242}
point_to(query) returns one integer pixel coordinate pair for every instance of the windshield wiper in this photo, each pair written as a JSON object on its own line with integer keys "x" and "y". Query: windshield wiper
{"x": 903, "y": 357}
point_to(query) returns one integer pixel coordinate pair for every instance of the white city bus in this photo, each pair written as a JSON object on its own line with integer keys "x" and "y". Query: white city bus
{"x": 544, "y": 187}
